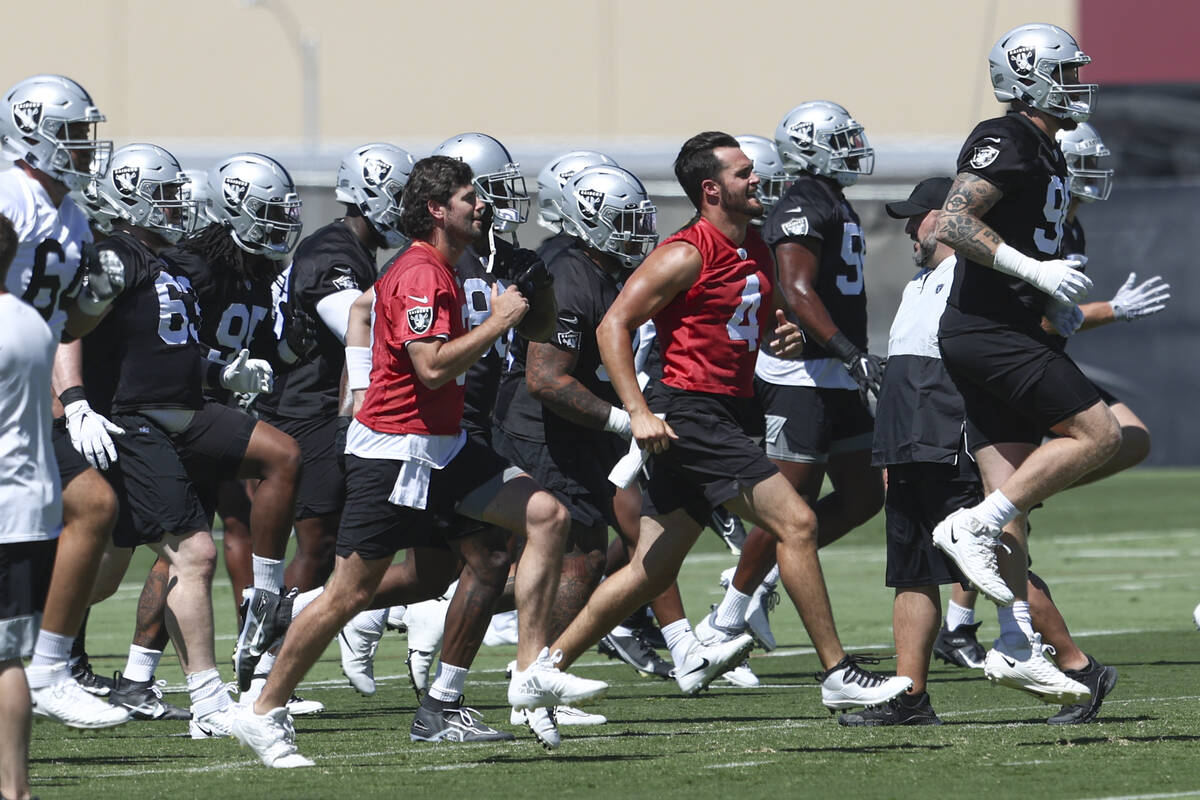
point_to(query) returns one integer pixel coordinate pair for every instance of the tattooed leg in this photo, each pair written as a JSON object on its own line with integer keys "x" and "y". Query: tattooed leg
{"x": 583, "y": 567}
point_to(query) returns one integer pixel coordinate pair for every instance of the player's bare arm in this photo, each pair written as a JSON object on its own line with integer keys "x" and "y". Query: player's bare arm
{"x": 549, "y": 376}
{"x": 358, "y": 335}
{"x": 437, "y": 362}
{"x": 961, "y": 226}
{"x": 799, "y": 265}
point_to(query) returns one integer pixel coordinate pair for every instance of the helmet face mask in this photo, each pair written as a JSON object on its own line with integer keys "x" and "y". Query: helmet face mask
{"x": 498, "y": 180}
{"x": 256, "y": 197}
{"x": 554, "y": 176}
{"x": 372, "y": 179}
{"x": 148, "y": 189}
{"x": 51, "y": 124}
{"x": 608, "y": 208}
{"x": 822, "y": 138}
{"x": 773, "y": 178}
{"x": 1084, "y": 150}
{"x": 1038, "y": 64}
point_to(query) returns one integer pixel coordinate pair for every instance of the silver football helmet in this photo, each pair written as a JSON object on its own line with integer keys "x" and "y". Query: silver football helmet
{"x": 497, "y": 178}
{"x": 822, "y": 138}
{"x": 198, "y": 187}
{"x": 773, "y": 178}
{"x": 554, "y": 175}
{"x": 1028, "y": 64}
{"x": 50, "y": 124}
{"x": 1083, "y": 149}
{"x": 608, "y": 208}
{"x": 372, "y": 179}
{"x": 256, "y": 196}
{"x": 100, "y": 214}
{"x": 147, "y": 188}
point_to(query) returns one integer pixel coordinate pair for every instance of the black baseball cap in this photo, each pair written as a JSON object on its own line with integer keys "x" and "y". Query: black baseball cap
{"x": 928, "y": 195}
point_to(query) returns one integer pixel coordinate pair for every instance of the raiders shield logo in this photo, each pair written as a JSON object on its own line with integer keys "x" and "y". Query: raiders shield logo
{"x": 569, "y": 339}
{"x": 420, "y": 319}
{"x": 27, "y": 115}
{"x": 802, "y": 132}
{"x": 984, "y": 155}
{"x": 1021, "y": 60}
{"x": 375, "y": 171}
{"x": 126, "y": 179}
{"x": 589, "y": 201}
{"x": 234, "y": 190}
{"x": 796, "y": 226}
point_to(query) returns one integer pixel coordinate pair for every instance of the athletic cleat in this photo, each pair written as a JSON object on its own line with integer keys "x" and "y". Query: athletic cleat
{"x": 707, "y": 660}
{"x": 729, "y": 528}
{"x": 215, "y": 724}
{"x": 904, "y": 709}
{"x": 69, "y": 703}
{"x": 396, "y": 620}
{"x": 501, "y": 629}
{"x": 271, "y": 736}
{"x": 847, "y": 685}
{"x": 972, "y": 546}
{"x": 1027, "y": 668}
{"x": 454, "y": 722}
{"x": 563, "y": 715}
{"x": 544, "y": 727}
{"x": 960, "y": 646}
{"x": 642, "y": 623}
{"x": 419, "y": 662}
{"x": 358, "y": 657}
{"x": 426, "y": 626}
{"x": 634, "y": 652}
{"x": 1196, "y": 617}
{"x": 543, "y": 684}
{"x": 298, "y": 706}
{"x": 144, "y": 699}
{"x": 762, "y": 603}
{"x": 1099, "y": 680}
{"x": 267, "y": 617}
{"x": 92, "y": 683}
{"x": 707, "y": 629}
{"x": 742, "y": 676}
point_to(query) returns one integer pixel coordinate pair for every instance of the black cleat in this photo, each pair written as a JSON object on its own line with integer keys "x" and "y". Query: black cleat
{"x": 1097, "y": 677}
{"x": 144, "y": 700}
{"x": 266, "y": 618}
{"x": 452, "y": 722}
{"x": 904, "y": 709}
{"x": 92, "y": 683}
{"x": 642, "y": 621}
{"x": 730, "y": 529}
{"x": 960, "y": 647}
{"x": 636, "y": 653}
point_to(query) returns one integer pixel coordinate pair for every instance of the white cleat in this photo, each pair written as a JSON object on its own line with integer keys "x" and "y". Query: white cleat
{"x": 705, "y": 661}
{"x": 396, "y": 620}
{"x": 420, "y": 664}
{"x": 1026, "y": 667}
{"x": 358, "y": 657}
{"x": 847, "y": 685}
{"x": 271, "y": 736}
{"x": 542, "y": 684}
{"x": 758, "y": 623}
{"x": 502, "y": 629}
{"x": 426, "y": 623}
{"x": 544, "y": 728}
{"x": 67, "y": 702}
{"x": 1196, "y": 617}
{"x": 297, "y": 706}
{"x": 972, "y": 546}
{"x": 742, "y": 676}
{"x": 214, "y": 725}
{"x": 566, "y": 716}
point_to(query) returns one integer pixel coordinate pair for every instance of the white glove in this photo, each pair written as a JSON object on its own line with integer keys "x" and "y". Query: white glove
{"x": 248, "y": 375}
{"x": 1131, "y": 302}
{"x": 102, "y": 282}
{"x": 91, "y": 434}
{"x": 1064, "y": 317}
{"x": 1058, "y": 277}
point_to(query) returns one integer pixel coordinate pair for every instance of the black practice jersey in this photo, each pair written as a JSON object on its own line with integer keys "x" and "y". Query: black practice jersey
{"x": 331, "y": 260}
{"x": 815, "y": 207}
{"x": 144, "y": 353}
{"x": 584, "y": 293}
{"x": 1013, "y": 155}
{"x": 1073, "y": 242}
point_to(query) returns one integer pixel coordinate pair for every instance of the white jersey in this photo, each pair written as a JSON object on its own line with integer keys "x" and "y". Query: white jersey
{"x": 29, "y": 490}
{"x": 915, "y": 329}
{"x": 823, "y": 373}
{"x": 45, "y": 272}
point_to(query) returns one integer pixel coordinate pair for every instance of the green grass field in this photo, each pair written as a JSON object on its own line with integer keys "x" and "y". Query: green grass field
{"x": 1121, "y": 558}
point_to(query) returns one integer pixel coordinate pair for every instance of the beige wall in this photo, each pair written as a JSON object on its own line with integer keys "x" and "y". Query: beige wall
{"x": 590, "y": 71}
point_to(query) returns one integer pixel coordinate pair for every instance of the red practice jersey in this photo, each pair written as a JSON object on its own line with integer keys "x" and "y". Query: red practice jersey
{"x": 417, "y": 298}
{"x": 708, "y": 335}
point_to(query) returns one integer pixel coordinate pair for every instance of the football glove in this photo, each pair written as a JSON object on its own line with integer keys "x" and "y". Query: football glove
{"x": 1064, "y": 317}
{"x": 866, "y": 369}
{"x": 248, "y": 375}
{"x": 103, "y": 279}
{"x": 1131, "y": 302}
{"x": 91, "y": 434}
{"x": 1059, "y": 277}
{"x": 299, "y": 334}
{"x": 529, "y": 272}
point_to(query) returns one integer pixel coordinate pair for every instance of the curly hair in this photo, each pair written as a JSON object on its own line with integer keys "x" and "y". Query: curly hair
{"x": 434, "y": 178}
{"x": 215, "y": 244}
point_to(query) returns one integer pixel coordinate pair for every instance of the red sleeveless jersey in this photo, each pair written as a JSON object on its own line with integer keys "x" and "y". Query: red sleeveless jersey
{"x": 708, "y": 336}
{"x": 417, "y": 298}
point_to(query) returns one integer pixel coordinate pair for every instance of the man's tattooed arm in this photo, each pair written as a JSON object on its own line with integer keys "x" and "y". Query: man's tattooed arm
{"x": 548, "y": 376}
{"x": 961, "y": 225}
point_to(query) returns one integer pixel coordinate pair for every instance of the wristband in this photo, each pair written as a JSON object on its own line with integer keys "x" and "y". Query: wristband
{"x": 358, "y": 367}
{"x": 72, "y": 395}
{"x": 842, "y": 347}
{"x": 618, "y": 422}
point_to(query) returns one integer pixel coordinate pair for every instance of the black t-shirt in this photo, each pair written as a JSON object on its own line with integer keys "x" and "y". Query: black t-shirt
{"x": 1012, "y": 154}
{"x": 584, "y": 292}
{"x": 814, "y": 207}
{"x": 144, "y": 353}
{"x": 329, "y": 261}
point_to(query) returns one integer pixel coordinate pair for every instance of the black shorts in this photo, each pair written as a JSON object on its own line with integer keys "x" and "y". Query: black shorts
{"x": 713, "y": 458}
{"x": 322, "y": 488}
{"x": 1015, "y": 387}
{"x": 806, "y": 425}
{"x": 212, "y": 448}
{"x": 919, "y": 496}
{"x": 157, "y": 495}
{"x": 25, "y": 569}
{"x": 575, "y": 472}
{"x": 70, "y": 462}
{"x": 375, "y": 528}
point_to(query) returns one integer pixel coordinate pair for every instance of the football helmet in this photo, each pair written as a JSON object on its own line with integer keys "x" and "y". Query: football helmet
{"x": 257, "y": 198}
{"x": 147, "y": 188}
{"x": 198, "y": 186}
{"x": 372, "y": 180}
{"x": 99, "y": 213}
{"x": 822, "y": 138}
{"x": 609, "y": 208}
{"x": 497, "y": 178}
{"x": 1028, "y": 64}
{"x": 552, "y": 178}
{"x": 773, "y": 178}
{"x": 1083, "y": 149}
{"x": 50, "y": 124}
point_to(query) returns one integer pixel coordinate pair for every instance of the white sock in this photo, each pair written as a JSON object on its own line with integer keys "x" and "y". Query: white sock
{"x": 51, "y": 649}
{"x": 958, "y": 615}
{"x": 1016, "y": 624}
{"x": 370, "y": 621}
{"x": 731, "y": 613}
{"x": 263, "y": 667}
{"x": 680, "y": 639}
{"x": 995, "y": 510}
{"x": 208, "y": 693}
{"x": 448, "y": 683}
{"x": 268, "y": 573}
{"x": 141, "y": 663}
{"x": 302, "y": 600}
